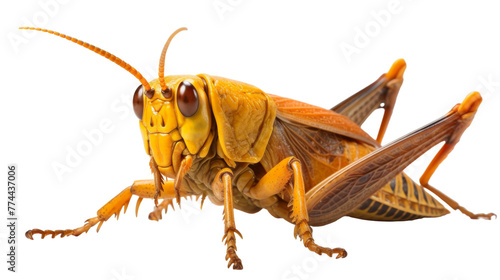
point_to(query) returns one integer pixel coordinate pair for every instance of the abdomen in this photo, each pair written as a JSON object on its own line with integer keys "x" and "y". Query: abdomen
{"x": 400, "y": 200}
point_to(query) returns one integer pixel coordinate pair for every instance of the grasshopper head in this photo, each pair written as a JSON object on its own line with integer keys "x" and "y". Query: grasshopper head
{"x": 175, "y": 117}
{"x": 174, "y": 121}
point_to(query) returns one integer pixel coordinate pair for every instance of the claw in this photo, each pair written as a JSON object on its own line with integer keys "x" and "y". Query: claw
{"x": 139, "y": 200}
{"x": 304, "y": 231}
{"x": 488, "y": 216}
{"x": 156, "y": 215}
{"x": 234, "y": 260}
{"x": 341, "y": 253}
{"x": 29, "y": 233}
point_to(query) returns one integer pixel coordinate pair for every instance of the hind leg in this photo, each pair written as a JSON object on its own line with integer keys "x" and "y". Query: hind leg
{"x": 470, "y": 104}
{"x": 380, "y": 94}
{"x": 342, "y": 192}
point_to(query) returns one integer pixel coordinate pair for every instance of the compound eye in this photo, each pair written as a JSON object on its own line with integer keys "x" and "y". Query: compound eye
{"x": 138, "y": 101}
{"x": 187, "y": 99}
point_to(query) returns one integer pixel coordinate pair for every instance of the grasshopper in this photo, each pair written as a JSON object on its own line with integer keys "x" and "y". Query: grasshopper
{"x": 244, "y": 149}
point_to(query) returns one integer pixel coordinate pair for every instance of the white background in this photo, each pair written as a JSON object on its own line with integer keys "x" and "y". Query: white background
{"x": 53, "y": 91}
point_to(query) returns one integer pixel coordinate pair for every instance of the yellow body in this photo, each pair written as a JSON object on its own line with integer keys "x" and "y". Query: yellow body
{"x": 242, "y": 120}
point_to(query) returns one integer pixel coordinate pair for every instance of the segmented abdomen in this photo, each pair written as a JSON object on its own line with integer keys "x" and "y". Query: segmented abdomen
{"x": 400, "y": 200}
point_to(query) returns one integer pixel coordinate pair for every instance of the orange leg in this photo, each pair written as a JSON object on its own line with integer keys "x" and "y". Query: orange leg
{"x": 159, "y": 180}
{"x": 380, "y": 94}
{"x": 468, "y": 108}
{"x": 345, "y": 190}
{"x": 156, "y": 214}
{"x": 141, "y": 188}
{"x": 223, "y": 190}
{"x": 424, "y": 182}
{"x": 276, "y": 181}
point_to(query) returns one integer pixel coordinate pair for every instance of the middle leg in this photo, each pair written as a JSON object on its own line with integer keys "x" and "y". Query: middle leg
{"x": 277, "y": 181}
